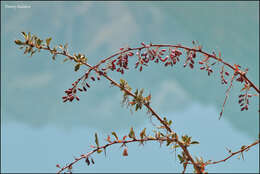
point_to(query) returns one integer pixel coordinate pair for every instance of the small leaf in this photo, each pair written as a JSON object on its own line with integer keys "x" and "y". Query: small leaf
{"x": 96, "y": 139}
{"x": 132, "y": 103}
{"x": 175, "y": 146}
{"x": 33, "y": 52}
{"x": 168, "y": 142}
{"x": 194, "y": 142}
{"x": 18, "y": 42}
{"x": 87, "y": 161}
{"x": 48, "y": 41}
{"x": 29, "y": 36}
{"x": 148, "y": 98}
{"x": 39, "y": 42}
{"x": 180, "y": 158}
{"x": 26, "y": 50}
{"x": 108, "y": 139}
{"x": 136, "y": 107}
{"x": 242, "y": 155}
{"x": 24, "y": 35}
{"x": 243, "y": 89}
{"x": 136, "y": 92}
{"x": 66, "y": 59}
{"x": 66, "y": 46}
{"x": 54, "y": 56}
{"x": 99, "y": 151}
{"x": 113, "y": 133}
{"x": 141, "y": 92}
{"x": 142, "y": 134}
{"x": 77, "y": 66}
{"x": 124, "y": 137}
{"x": 122, "y": 81}
{"x": 92, "y": 160}
{"x": 131, "y": 133}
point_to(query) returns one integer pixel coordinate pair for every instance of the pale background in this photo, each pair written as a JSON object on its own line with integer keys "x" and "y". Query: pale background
{"x": 38, "y": 130}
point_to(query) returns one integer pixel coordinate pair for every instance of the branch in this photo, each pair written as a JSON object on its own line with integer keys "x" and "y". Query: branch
{"x": 123, "y": 142}
{"x": 34, "y": 42}
{"x": 95, "y": 68}
{"x": 242, "y": 149}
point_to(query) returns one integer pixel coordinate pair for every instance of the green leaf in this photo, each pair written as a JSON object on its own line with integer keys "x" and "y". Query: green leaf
{"x": 136, "y": 107}
{"x": 77, "y": 66}
{"x": 168, "y": 142}
{"x": 48, "y": 41}
{"x": 66, "y": 46}
{"x": 33, "y": 52}
{"x": 142, "y": 134}
{"x": 175, "y": 146}
{"x": 26, "y": 50}
{"x": 39, "y": 42}
{"x": 180, "y": 158}
{"x": 96, "y": 139}
{"x": 29, "y": 36}
{"x": 136, "y": 92}
{"x": 113, "y": 133}
{"x": 194, "y": 142}
{"x": 24, "y": 35}
{"x": 18, "y": 42}
{"x": 30, "y": 49}
{"x": 141, "y": 92}
{"x": 54, "y": 56}
{"x": 122, "y": 81}
{"x": 131, "y": 133}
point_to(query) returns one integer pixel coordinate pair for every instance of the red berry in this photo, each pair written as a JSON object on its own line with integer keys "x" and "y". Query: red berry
{"x": 130, "y": 54}
{"x": 71, "y": 98}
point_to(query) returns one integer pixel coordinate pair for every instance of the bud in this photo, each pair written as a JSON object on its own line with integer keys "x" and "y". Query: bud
{"x": 125, "y": 152}
{"x": 71, "y": 98}
{"x": 130, "y": 54}
{"x": 163, "y": 50}
{"x": 80, "y": 89}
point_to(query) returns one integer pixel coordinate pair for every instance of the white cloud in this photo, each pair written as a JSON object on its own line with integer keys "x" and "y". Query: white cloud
{"x": 117, "y": 31}
{"x": 157, "y": 15}
{"x": 15, "y": 21}
{"x": 31, "y": 81}
{"x": 171, "y": 95}
{"x": 78, "y": 9}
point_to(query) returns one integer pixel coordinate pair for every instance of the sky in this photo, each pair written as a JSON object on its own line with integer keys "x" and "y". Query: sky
{"x": 39, "y": 131}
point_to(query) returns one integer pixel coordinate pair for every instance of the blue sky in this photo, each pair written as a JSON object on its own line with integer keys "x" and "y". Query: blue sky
{"x": 42, "y": 131}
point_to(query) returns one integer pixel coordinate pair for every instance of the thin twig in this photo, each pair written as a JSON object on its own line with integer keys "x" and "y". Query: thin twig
{"x": 246, "y": 148}
{"x": 85, "y": 156}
